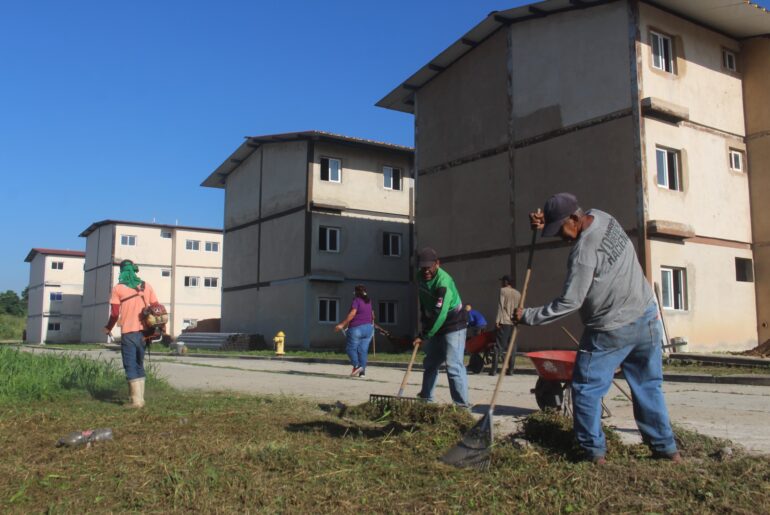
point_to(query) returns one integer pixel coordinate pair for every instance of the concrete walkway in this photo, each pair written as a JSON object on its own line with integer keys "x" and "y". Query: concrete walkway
{"x": 740, "y": 413}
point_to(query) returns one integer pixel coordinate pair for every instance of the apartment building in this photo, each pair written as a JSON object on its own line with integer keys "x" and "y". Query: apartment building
{"x": 654, "y": 111}
{"x": 308, "y": 215}
{"x": 54, "y": 291}
{"x": 183, "y": 265}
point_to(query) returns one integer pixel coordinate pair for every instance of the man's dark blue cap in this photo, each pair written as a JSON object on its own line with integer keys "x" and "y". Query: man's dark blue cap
{"x": 556, "y": 210}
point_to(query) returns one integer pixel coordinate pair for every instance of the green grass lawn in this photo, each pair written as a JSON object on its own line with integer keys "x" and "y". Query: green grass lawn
{"x": 237, "y": 453}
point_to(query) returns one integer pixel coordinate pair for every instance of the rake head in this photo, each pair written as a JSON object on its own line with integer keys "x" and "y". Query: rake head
{"x": 389, "y": 400}
{"x": 473, "y": 451}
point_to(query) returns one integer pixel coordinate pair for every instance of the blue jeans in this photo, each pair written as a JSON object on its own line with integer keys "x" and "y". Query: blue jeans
{"x": 132, "y": 351}
{"x": 636, "y": 348}
{"x": 448, "y": 348}
{"x": 358, "y": 339}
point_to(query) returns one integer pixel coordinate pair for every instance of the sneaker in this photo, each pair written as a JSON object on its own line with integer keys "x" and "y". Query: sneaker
{"x": 363, "y": 373}
{"x": 675, "y": 457}
{"x": 356, "y": 372}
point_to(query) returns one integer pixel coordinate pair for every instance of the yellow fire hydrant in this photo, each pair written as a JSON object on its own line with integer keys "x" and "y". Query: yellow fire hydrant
{"x": 278, "y": 341}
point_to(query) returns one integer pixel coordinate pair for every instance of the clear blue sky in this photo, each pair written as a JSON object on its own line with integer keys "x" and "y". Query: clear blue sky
{"x": 118, "y": 110}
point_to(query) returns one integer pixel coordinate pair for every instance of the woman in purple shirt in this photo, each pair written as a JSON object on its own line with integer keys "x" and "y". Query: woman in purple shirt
{"x": 360, "y": 324}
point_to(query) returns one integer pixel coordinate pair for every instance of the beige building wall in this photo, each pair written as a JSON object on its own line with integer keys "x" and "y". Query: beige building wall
{"x": 50, "y": 320}
{"x": 164, "y": 262}
{"x": 275, "y": 204}
{"x": 754, "y": 62}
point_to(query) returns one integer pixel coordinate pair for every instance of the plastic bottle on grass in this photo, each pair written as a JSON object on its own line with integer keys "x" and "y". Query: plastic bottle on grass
{"x": 79, "y": 438}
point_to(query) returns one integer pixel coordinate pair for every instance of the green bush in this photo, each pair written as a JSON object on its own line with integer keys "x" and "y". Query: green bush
{"x": 11, "y": 326}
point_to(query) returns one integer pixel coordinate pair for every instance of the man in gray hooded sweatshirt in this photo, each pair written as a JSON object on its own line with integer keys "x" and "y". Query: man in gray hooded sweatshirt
{"x": 605, "y": 283}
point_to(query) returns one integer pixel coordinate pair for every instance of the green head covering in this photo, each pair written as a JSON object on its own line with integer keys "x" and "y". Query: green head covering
{"x": 128, "y": 275}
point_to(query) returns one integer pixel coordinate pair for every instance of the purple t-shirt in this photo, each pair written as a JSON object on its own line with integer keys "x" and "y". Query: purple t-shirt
{"x": 363, "y": 313}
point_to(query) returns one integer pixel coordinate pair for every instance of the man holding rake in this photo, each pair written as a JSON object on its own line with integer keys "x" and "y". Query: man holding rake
{"x": 623, "y": 327}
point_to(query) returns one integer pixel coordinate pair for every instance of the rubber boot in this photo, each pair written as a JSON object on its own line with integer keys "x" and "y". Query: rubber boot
{"x": 134, "y": 395}
{"x": 140, "y": 401}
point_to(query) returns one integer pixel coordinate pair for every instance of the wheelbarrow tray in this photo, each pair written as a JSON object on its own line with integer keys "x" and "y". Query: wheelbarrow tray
{"x": 480, "y": 343}
{"x": 554, "y": 365}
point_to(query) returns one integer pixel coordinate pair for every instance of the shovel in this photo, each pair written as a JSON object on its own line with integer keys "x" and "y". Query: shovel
{"x": 474, "y": 448}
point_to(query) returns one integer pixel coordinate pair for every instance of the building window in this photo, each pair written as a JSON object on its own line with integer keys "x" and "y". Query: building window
{"x": 744, "y": 271}
{"x": 669, "y": 169}
{"x": 329, "y": 239}
{"x": 210, "y": 282}
{"x": 386, "y": 312}
{"x": 736, "y": 160}
{"x": 188, "y": 323}
{"x": 165, "y": 234}
{"x": 192, "y": 244}
{"x": 128, "y": 240}
{"x": 392, "y": 178}
{"x": 57, "y": 265}
{"x": 391, "y": 244}
{"x": 54, "y": 326}
{"x": 331, "y": 169}
{"x": 56, "y": 296}
{"x": 191, "y": 281}
{"x": 327, "y": 310}
{"x": 212, "y": 246}
{"x": 729, "y": 60}
{"x": 165, "y": 273}
{"x": 674, "y": 288}
{"x": 662, "y": 52}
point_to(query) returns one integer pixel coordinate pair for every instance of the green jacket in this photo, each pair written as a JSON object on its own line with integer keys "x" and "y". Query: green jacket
{"x": 440, "y": 305}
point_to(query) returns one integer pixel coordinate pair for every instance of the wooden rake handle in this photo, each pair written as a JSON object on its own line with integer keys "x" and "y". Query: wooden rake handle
{"x": 515, "y": 331}
{"x": 408, "y": 371}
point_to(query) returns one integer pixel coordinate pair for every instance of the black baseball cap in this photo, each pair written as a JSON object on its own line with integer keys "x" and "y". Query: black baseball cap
{"x": 426, "y": 257}
{"x": 556, "y": 210}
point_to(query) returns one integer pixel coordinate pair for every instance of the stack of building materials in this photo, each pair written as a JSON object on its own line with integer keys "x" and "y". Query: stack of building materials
{"x": 221, "y": 341}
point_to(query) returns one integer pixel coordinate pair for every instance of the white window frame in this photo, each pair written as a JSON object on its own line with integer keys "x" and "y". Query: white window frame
{"x": 57, "y": 265}
{"x": 54, "y": 326}
{"x": 323, "y": 242}
{"x": 328, "y": 301}
{"x": 736, "y": 155}
{"x": 673, "y": 288}
{"x": 387, "y": 244}
{"x": 727, "y": 56}
{"x": 191, "y": 281}
{"x": 388, "y": 174}
{"x": 189, "y": 322}
{"x": 330, "y": 177}
{"x": 386, "y": 304}
{"x": 165, "y": 273}
{"x": 665, "y": 43}
{"x": 192, "y": 245}
{"x": 56, "y": 296}
{"x": 165, "y": 234}
{"x": 665, "y": 174}
{"x": 211, "y": 282}
{"x": 128, "y": 240}
{"x": 211, "y": 246}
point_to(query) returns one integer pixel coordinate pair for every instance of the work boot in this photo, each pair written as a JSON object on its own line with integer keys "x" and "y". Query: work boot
{"x": 135, "y": 399}
{"x": 141, "y": 392}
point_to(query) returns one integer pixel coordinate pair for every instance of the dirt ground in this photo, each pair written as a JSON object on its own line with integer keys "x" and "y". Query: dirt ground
{"x": 736, "y": 412}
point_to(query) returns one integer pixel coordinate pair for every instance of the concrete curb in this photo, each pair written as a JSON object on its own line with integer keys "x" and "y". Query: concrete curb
{"x": 737, "y": 379}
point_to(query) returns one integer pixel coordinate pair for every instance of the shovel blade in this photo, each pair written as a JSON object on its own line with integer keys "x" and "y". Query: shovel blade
{"x": 474, "y": 448}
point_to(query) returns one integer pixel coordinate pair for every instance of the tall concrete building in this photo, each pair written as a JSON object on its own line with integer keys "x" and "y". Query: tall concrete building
{"x": 308, "y": 215}
{"x": 183, "y": 265}
{"x": 654, "y": 111}
{"x": 55, "y": 290}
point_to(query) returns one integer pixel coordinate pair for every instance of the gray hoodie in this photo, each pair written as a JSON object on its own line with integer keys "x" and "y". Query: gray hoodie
{"x": 604, "y": 280}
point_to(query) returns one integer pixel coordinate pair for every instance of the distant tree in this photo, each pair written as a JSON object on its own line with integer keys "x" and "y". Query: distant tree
{"x": 10, "y": 303}
{"x": 25, "y": 299}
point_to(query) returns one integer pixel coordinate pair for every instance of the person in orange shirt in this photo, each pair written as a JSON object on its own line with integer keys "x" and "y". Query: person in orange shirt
{"x": 129, "y": 297}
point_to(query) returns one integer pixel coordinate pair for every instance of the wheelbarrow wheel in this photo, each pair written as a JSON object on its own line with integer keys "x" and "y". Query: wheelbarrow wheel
{"x": 475, "y": 363}
{"x": 548, "y": 394}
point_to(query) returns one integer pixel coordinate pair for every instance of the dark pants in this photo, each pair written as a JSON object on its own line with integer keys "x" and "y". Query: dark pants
{"x": 501, "y": 342}
{"x": 132, "y": 351}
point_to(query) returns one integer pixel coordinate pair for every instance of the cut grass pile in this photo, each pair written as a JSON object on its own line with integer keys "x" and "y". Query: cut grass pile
{"x": 238, "y": 453}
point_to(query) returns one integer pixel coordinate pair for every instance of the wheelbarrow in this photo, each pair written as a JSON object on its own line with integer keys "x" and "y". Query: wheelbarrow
{"x": 554, "y": 370}
{"x": 483, "y": 350}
